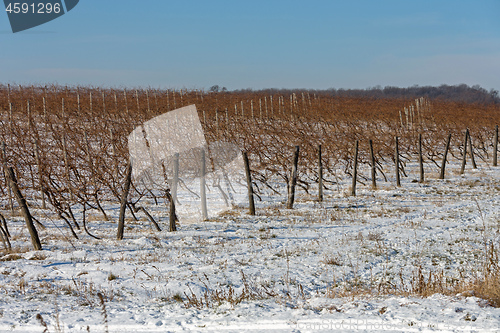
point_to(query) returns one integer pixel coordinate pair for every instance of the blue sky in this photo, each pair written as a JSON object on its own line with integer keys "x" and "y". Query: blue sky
{"x": 259, "y": 44}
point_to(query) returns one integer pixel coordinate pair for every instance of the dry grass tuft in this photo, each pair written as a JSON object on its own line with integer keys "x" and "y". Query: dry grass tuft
{"x": 485, "y": 284}
{"x": 488, "y": 288}
{"x": 37, "y": 256}
{"x": 332, "y": 260}
{"x": 104, "y": 312}
{"x": 11, "y": 257}
{"x": 426, "y": 284}
{"x": 216, "y": 296}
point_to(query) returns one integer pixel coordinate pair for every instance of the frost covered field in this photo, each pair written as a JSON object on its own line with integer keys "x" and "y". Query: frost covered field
{"x": 391, "y": 259}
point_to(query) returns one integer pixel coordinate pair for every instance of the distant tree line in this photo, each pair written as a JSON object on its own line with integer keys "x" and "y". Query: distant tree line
{"x": 453, "y": 93}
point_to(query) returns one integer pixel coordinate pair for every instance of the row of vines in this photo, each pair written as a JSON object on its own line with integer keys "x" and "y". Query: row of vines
{"x": 68, "y": 145}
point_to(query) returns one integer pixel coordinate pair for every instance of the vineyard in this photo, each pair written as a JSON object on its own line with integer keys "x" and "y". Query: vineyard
{"x": 67, "y": 149}
{"x": 68, "y": 146}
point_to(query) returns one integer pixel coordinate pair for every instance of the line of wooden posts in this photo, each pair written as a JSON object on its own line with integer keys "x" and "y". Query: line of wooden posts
{"x": 4, "y": 233}
{"x": 293, "y": 178}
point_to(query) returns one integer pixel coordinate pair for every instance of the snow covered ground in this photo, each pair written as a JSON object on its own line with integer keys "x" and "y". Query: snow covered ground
{"x": 282, "y": 270}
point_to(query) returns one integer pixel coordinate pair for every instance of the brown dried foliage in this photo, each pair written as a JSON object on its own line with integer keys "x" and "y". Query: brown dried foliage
{"x": 81, "y": 133}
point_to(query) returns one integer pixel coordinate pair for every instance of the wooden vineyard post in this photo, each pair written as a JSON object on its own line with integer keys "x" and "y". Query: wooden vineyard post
{"x": 116, "y": 102}
{"x": 293, "y": 179}
{"x": 473, "y": 160}
{"x": 45, "y": 110}
{"x": 4, "y": 233}
{"x": 103, "y": 103}
{"x": 11, "y": 119}
{"x": 374, "y": 170}
{"x": 35, "y": 240}
{"x": 92, "y": 176}
{"x": 217, "y": 122}
{"x": 126, "y": 103}
{"x": 63, "y": 115}
{"x": 355, "y": 169}
{"x": 420, "y": 159}
{"x": 443, "y": 165}
{"x": 227, "y": 121}
{"x": 495, "y": 146}
{"x": 123, "y": 204}
{"x": 172, "y": 215}
{"x": 137, "y": 99}
{"x": 113, "y": 151}
{"x": 89, "y": 158}
{"x": 66, "y": 166}
{"x": 251, "y": 203}
{"x": 396, "y": 158}
{"x": 271, "y": 103}
{"x": 5, "y": 174}
{"x": 464, "y": 157}
{"x": 320, "y": 175}
{"x": 40, "y": 174}
{"x": 203, "y": 193}
{"x": 156, "y": 100}
{"x": 28, "y": 111}
{"x": 77, "y": 100}
{"x": 176, "y": 177}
